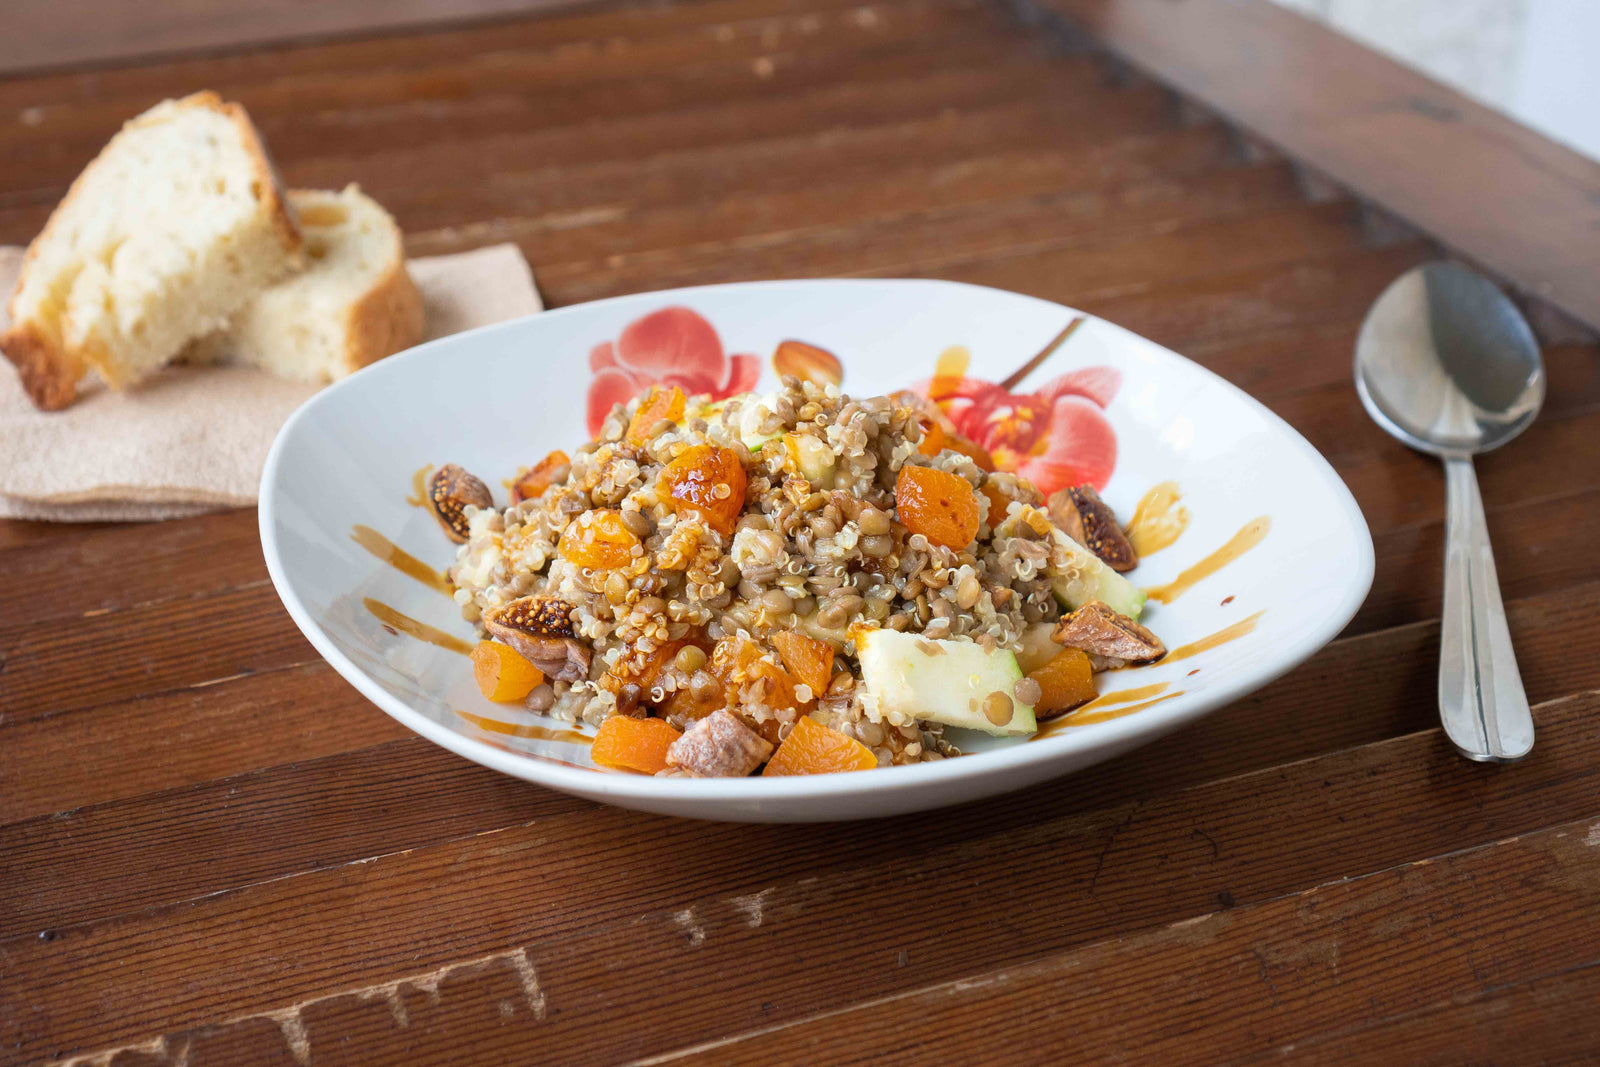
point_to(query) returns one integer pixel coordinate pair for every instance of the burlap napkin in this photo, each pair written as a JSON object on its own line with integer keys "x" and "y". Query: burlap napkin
{"x": 194, "y": 439}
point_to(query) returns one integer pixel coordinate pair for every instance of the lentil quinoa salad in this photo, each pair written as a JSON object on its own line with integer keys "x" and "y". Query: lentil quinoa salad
{"x": 797, "y": 582}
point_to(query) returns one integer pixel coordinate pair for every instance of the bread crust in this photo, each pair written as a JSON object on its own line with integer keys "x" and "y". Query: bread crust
{"x": 386, "y": 319}
{"x": 50, "y": 369}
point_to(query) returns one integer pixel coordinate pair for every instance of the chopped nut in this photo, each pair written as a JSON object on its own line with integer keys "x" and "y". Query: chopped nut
{"x": 450, "y": 490}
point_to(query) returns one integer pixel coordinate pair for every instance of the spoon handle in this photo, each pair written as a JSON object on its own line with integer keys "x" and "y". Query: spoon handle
{"x": 1481, "y": 700}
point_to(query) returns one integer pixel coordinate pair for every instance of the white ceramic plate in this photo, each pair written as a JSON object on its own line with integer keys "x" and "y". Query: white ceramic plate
{"x": 502, "y": 396}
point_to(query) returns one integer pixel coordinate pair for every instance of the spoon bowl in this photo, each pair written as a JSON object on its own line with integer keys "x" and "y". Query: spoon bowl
{"x": 1447, "y": 364}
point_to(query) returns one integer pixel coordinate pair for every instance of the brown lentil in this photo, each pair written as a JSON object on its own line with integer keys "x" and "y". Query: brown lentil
{"x": 997, "y": 708}
{"x": 873, "y": 523}
{"x": 1027, "y": 691}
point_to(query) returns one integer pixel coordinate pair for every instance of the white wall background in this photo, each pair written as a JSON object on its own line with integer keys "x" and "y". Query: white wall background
{"x": 1536, "y": 60}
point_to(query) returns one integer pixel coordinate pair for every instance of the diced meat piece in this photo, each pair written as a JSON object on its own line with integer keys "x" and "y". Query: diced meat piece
{"x": 719, "y": 746}
{"x": 1099, "y": 631}
{"x": 1088, "y": 520}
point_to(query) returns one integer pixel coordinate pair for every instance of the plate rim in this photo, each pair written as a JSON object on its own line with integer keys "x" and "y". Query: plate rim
{"x": 622, "y": 787}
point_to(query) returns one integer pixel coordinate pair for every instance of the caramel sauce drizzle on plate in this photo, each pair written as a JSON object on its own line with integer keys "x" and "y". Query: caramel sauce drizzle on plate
{"x": 515, "y": 729}
{"x": 419, "y": 487}
{"x": 1116, "y": 704}
{"x": 1221, "y": 637}
{"x": 1158, "y": 519}
{"x": 400, "y": 559}
{"x": 412, "y": 628}
{"x": 1248, "y": 537}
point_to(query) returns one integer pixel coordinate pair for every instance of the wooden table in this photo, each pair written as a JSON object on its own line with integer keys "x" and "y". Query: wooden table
{"x": 212, "y": 850}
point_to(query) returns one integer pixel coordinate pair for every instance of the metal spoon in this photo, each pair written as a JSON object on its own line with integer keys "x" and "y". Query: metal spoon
{"x": 1447, "y": 364}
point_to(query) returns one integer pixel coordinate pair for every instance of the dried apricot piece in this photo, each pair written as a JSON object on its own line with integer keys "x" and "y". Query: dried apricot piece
{"x": 809, "y": 660}
{"x": 812, "y": 748}
{"x": 539, "y": 477}
{"x": 598, "y": 539}
{"x": 503, "y": 674}
{"x": 737, "y": 661}
{"x": 660, "y": 404}
{"x": 971, "y": 449}
{"x": 933, "y": 436}
{"x": 709, "y": 481}
{"x": 998, "y": 502}
{"x": 636, "y": 670}
{"x": 1064, "y": 683}
{"x": 938, "y": 505}
{"x": 633, "y": 744}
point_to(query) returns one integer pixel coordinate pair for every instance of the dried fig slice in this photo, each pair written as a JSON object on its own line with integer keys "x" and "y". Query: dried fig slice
{"x": 450, "y": 490}
{"x": 541, "y": 629}
{"x": 1099, "y": 631}
{"x": 542, "y": 616}
{"x": 1088, "y": 520}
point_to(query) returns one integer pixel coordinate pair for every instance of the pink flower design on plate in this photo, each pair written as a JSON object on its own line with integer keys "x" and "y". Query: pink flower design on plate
{"x": 673, "y": 346}
{"x": 1056, "y": 436}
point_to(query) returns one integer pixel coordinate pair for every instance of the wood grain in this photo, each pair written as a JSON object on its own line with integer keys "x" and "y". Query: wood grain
{"x": 822, "y": 894}
{"x": 190, "y": 796}
{"x": 1288, "y": 970}
{"x": 44, "y": 34}
{"x": 1448, "y": 165}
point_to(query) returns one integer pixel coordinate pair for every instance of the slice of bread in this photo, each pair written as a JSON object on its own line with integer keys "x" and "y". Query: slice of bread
{"x": 352, "y": 305}
{"x": 165, "y": 235}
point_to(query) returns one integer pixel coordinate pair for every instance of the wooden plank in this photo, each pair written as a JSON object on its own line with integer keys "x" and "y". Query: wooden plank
{"x": 1543, "y": 1021}
{"x": 1514, "y": 911}
{"x": 773, "y": 923}
{"x": 577, "y": 177}
{"x": 1085, "y": 267}
{"x": 982, "y": 138}
{"x": 1448, "y": 165}
{"x": 212, "y": 729}
{"x": 165, "y": 645}
{"x": 15, "y": 532}
{"x": 104, "y": 859}
{"x": 547, "y": 166}
{"x": 577, "y": 24}
{"x": 108, "y": 30}
{"x": 499, "y": 89}
{"x": 83, "y": 573}
{"x": 1240, "y": 301}
{"x": 298, "y": 817}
